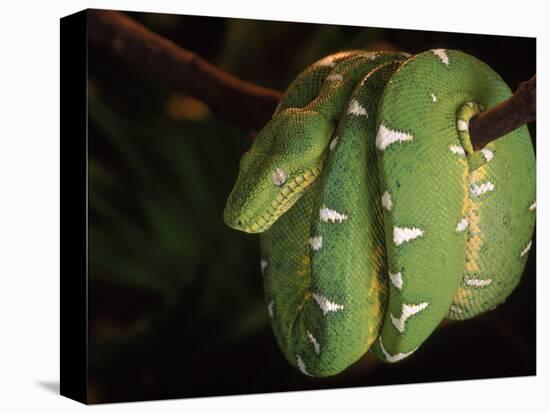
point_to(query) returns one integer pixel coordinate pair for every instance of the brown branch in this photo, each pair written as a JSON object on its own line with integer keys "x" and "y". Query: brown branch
{"x": 245, "y": 104}
{"x": 242, "y": 103}
{"x": 506, "y": 116}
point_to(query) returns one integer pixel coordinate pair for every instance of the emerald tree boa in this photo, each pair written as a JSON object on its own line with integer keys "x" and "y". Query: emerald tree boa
{"x": 377, "y": 218}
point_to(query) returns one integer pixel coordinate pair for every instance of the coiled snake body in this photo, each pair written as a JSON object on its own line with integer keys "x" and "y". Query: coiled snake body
{"x": 377, "y": 217}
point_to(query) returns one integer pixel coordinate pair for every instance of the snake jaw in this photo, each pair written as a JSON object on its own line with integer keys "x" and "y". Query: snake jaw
{"x": 289, "y": 194}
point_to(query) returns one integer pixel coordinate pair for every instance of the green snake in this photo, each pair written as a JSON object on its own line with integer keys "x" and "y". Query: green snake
{"x": 377, "y": 217}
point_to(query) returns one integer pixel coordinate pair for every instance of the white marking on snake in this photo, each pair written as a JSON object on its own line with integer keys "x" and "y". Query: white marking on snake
{"x": 316, "y": 345}
{"x": 386, "y": 201}
{"x": 263, "y": 265}
{"x": 487, "y": 154}
{"x": 302, "y": 365}
{"x": 327, "y": 61}
{"x": 462, "y": 125}
{"x": 462, "y": 225}
{"x": 533, "y": 206}
{"x": 477, "y": 282}
{"x": 386, "y": 137}
{"x": 326, "y": 305}
{"x": 457, "y": 149}
{"x": 455, "y": 309}
{"x": 334, "y": 142}
{"x": 334, "y": 77}
{"x": 270, "y": 309}
{"x": 396, "y": 279}
{"x": 355, "y": 108}
{"x": 316, "y": 242}
{"x": 470, "y": 104}
{"x": 526, "y": 250}
{"x": 434, "y": 98}
{"x": 278, "y": 107}
{"x": 482, "y": 188}
{"x": 407, "y": 311}
{"x": 394, "y": 358}
{"x": 326, "y": 215}
{"x": 404, "y": 234}
{"x": 441, "y": 54}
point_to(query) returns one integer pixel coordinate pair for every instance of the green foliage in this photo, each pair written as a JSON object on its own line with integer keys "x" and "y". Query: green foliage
{"x": 156, "y": 192}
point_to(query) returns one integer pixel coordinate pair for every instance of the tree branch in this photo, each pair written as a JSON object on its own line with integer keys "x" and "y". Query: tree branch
{"x": 503, "y": 118}
{"x": 242, "y": 103}
{"x": 245, "y": 104}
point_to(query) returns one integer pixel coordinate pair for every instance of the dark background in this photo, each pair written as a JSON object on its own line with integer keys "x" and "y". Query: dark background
{"x": 176, "y": 303}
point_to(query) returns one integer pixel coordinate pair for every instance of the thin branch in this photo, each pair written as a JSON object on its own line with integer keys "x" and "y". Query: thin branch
{"x": 242, "y": 103}
{"x": 245, "y": 104}
{"x": 503, "y": 118}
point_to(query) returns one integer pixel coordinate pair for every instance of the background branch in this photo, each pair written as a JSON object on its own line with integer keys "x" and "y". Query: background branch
{"x": 245, "y": 104}
{"x": 242, "y": 103}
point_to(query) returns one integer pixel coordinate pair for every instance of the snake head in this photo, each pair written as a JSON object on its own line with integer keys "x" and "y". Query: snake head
{"x": 285, "y": 158}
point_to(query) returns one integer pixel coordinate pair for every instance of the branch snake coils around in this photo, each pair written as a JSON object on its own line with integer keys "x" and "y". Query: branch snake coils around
{"x": 377, "y": 217}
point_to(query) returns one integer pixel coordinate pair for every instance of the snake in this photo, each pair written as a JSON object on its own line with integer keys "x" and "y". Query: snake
{"x": 377, "y": 217}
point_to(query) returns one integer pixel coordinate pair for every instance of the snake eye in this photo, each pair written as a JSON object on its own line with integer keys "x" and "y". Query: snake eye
{"x": 278, "y": 177}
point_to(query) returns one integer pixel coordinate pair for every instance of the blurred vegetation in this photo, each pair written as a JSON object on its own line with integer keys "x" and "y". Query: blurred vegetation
{"x": 176, "y": 299}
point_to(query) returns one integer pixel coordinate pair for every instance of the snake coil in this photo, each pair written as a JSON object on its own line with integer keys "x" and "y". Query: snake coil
{"x": 377, "y": 217}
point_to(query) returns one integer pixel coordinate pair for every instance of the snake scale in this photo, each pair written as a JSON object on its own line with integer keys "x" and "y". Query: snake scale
{"x": 377, "y": 217}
